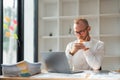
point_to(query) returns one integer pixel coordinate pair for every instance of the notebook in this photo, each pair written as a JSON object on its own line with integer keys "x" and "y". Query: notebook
{"x": 57, "y": 62}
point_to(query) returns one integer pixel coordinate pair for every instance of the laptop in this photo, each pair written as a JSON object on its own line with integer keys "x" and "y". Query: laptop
{"x": 57, "y": 62}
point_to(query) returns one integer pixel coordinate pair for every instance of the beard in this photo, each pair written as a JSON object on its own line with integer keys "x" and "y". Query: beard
{"x": 84, "y": 37}
{"x": 81, "y": 37}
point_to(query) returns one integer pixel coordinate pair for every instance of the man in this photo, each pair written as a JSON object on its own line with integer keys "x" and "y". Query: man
{"x": 84, "y": 53}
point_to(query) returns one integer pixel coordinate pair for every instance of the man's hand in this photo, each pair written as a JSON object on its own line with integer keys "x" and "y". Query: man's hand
{"x": 76, "y": 47}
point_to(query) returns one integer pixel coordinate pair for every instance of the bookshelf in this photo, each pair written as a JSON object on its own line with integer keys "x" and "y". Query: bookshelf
{"x": 56, "y": 21}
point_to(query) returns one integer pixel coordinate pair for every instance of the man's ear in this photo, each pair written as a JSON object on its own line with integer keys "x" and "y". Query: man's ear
{"x": 89, "y": 28}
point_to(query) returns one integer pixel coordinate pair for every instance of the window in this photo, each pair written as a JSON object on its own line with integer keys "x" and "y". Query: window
{"x": 10, "y": 37}
{"x": 12, "y": 31}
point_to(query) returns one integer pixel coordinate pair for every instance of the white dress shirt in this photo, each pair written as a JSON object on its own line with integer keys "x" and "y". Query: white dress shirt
{"x": 86, "y": 60}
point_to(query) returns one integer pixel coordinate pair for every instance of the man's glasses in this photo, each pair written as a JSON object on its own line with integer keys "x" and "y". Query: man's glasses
{"x": 82, "y": 31}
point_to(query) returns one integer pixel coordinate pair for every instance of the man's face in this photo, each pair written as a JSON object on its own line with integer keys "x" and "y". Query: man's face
{"x": 81, "y": 30}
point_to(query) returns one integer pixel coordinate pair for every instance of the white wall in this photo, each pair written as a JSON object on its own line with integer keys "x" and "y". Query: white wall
{"x": 28, "y": 30}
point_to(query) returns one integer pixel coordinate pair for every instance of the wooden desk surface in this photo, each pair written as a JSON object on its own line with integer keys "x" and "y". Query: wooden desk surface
{"x": 60, "y": 76}
{"x": 29, "y": 78}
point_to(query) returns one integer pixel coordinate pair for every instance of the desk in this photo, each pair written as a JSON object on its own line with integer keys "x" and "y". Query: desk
{"x": 87, "y": 75}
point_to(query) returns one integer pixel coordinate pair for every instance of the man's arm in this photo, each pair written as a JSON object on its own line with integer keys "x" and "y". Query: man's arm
{"x": 94, "y": 58}
{"x": 68, "y": 49}
{"x": 68, "y": 55}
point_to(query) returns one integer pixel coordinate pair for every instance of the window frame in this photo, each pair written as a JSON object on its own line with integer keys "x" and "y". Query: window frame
{"x": 1, "y": 34}
{"x": 35, "y": 30}
{"x": 20, "y": 12}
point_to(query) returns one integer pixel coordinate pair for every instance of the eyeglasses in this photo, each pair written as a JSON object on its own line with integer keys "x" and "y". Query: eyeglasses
{"x": 82, "y": 31}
